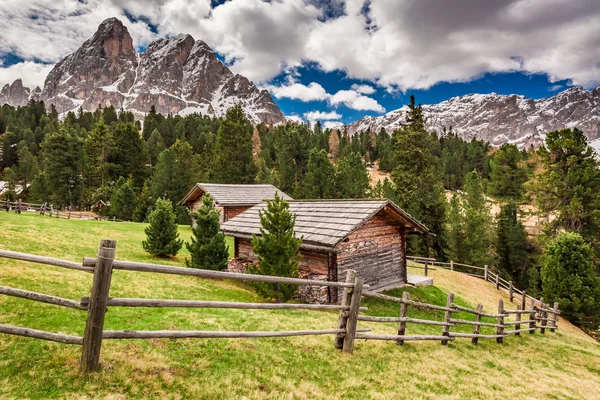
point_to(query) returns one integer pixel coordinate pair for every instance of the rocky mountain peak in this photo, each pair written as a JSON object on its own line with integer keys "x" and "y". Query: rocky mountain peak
{"x": 15, "y": 94}
{"x": 175, "y": 74}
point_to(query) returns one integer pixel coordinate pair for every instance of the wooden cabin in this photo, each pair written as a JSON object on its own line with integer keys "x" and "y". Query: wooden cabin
{"x": 368, "y": 236}
{"x": 231, "y": 200}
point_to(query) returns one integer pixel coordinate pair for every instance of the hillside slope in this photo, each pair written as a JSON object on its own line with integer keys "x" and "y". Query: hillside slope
{"x": 559, "y": 365}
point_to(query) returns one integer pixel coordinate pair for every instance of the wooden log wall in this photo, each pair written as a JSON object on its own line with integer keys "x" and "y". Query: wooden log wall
{"x": 314, "y": 265}
{"x": 375, "y": 251}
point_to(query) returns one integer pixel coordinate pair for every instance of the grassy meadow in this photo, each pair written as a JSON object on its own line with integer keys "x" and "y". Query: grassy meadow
{"x": 561, "y": 365}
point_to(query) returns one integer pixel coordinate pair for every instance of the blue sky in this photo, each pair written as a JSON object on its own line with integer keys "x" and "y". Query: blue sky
{"x": 342, "y": 59}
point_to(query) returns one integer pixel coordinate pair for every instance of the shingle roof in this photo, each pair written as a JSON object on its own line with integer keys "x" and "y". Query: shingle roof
{"x": 234, "y": 195}
{"x": 323, "y": 222}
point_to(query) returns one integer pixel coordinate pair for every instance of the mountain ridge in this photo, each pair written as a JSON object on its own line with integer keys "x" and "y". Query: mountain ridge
{"x": 501, "y": 119}
{"x": 177, "y": 75}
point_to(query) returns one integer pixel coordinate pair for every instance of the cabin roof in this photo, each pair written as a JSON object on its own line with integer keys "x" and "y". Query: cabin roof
{"x": 234, "y": 195}
{"x": 324, "y": 222}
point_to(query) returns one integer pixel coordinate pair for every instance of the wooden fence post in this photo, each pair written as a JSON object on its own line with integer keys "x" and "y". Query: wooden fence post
{"x": 403, "y": 314}
{"x": 343, "y": 318}
{"x": 510, "y": 291}
{"x": 518, "y": 316}
{"x": 523, "y": 299}
{"x": 500, "y": 328}
{"x": 447, "y": 317}
{"x": 92, "y": 338}
{"x": 532, "y": 317}
{"x": 477, "y": 320}
{"x": 353, "y": 315}
{"x": 426, "y": 265}
{"x": 485, "y": 273}
{"x": 451, "y": 265}
{"x": 554, "y": 318}
{"x": 497, "y": 281}
{"x": 544, "y": 318}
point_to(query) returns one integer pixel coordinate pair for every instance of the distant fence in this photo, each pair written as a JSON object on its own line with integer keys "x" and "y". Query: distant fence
{"x": 49, "y": 210}
{"x": 345, "y": 332}
{"x": 478, "y": 272}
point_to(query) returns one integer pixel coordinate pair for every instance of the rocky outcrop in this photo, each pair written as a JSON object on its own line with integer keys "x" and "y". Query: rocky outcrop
{"x": 177, "y": 75}
{"x": 15, "y": 94}
{"x": 502, "y": 119}
{"x": 94, "y": 75}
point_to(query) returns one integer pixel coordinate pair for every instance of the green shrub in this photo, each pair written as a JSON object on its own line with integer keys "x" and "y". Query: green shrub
{"x": 207, "y": 246}
{"x": 162, "y": 235}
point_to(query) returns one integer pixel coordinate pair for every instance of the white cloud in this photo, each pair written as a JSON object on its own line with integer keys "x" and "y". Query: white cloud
{"x": 298, "y": 91}
{"x": 332, "y": 124}
{"x": 401, "y": 45}
{"x": 315, "y": 92}
{"x": 295, "y": 118}
{"x": 356, "y": 101}
{"x": 321, "y": 116}
{"x": 364, "y": 89}
{"x": 32, "y": 74}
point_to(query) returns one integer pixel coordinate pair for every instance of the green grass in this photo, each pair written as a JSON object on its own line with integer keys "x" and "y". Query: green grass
{"x": 559, "y": 365}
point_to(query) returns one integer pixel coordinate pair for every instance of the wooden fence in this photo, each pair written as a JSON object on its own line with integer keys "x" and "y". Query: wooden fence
{"x": 346, "y": 330}
{"x": 48, "y": 209}
{"x": 484, "y": 273}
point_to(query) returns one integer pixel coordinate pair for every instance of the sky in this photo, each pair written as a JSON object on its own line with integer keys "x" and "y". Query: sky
{"x": 337, "y": 60}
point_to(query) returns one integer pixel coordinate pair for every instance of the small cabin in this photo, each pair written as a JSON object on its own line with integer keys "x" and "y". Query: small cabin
{"x": 231, "y": 200}
{"x": 368, "y": 236}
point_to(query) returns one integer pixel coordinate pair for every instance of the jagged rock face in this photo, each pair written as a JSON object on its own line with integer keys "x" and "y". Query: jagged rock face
{"x": 106, "y": 63}
{"x": 502, "y": 119}
{"x": 176, "y": 75}
{"x": 15, "y": 94}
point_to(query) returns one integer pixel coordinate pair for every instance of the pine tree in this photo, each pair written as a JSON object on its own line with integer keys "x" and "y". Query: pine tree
{"x": 507, "y": 176}
{"x": 234, "y": 159}
{"x": 292, "y": 153}
{"x": 129, "y": 155}
{"x": 512, "y": 245}
{"x": 418, "y": 181}
{"x": 162, "y": 238}
{"x": 207, "y": 247}
{"x": 277, "y": 250}
{"x": 176, "y": 171}
{"x": 569, "y": 187}
{"x": 156, "y": 145}
{"x": 123, "y": 201}
{"x": 98, "y": 146}
{"x": 352, "y": 178}
{"x": 569, "y": 277}
{"x": 143, "y": 204}
{"x": 454, "y": 230}
{"x": 62, "y": 153}
{"x": 477, "y": 223}
{"x": 319, "y": 182}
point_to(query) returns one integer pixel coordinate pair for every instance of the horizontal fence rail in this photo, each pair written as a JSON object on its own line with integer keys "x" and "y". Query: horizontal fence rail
{"x": 34, "y": 333}
{"x": 216, "y": 334}
{"x": 204, "y": 273}
{"x": 129, "y": 302}
{"x": 44, "y": 260}
{"x": 42, "y": 298}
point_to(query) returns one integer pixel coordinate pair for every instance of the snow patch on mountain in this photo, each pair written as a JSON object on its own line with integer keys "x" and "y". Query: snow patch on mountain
{"x": 501, "y": 119}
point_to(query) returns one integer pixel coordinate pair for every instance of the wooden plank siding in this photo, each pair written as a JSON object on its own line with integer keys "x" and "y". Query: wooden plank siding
{"x": 376, "y": 251}
{"x": 314, "y": 265}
